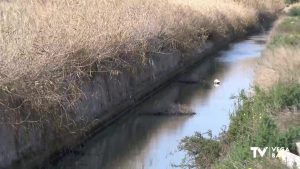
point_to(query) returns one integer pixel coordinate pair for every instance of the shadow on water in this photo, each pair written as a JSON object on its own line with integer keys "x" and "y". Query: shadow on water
{"x": 138, "y": 141}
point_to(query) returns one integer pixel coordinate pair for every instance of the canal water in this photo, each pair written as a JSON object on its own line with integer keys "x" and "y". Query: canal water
{"x": 139, "y": 141}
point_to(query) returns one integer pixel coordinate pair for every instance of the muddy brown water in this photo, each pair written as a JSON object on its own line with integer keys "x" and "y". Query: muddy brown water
{"x": 139, "y": 141}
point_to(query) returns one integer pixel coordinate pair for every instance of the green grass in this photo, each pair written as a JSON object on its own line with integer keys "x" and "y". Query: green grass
{"x": 290, "y": 25}
{"x": 251, "y": 125}
{"x": 288, "y": 32}
{"x": 295, "y": 11}
{"x": 285, "y": 40}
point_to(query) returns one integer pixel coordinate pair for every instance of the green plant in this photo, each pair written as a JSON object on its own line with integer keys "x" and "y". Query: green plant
{"x": 203, "y": 150}
{"x": 291, "y": 1}
{"x": 289, "y": 25}
{"x": 285, "y": 40}
{"x": 295, "y": 11}
{"x": 247, "y": 129}
{"x": 251, "y": 125}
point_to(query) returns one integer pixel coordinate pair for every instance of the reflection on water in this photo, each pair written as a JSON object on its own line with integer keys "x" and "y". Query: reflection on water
{"x": 138, "y": 141}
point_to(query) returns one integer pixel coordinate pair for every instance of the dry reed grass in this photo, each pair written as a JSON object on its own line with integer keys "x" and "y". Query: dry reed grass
{"x": 278, "y": 65}
{"x": 48, "y": 46}
{"x": 280, "y": 62}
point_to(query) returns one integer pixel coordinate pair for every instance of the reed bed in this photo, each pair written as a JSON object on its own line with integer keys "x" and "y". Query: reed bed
{"x": 47, "y": 47}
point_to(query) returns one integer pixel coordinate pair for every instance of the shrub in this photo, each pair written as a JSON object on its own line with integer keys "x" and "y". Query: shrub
{"x": 203, "y": 150}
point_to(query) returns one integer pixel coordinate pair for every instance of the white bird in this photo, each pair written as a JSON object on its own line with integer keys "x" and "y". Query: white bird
{"x": 217, "y": 81}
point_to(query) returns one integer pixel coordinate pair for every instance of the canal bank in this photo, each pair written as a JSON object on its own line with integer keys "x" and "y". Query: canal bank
{"x": 106, "y": 99}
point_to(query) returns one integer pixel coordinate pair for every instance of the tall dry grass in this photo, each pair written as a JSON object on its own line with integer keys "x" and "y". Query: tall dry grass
{"x": 48, "y": 46}
{"x": 280, "y": 65}
{"x": 280, "y": 62}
